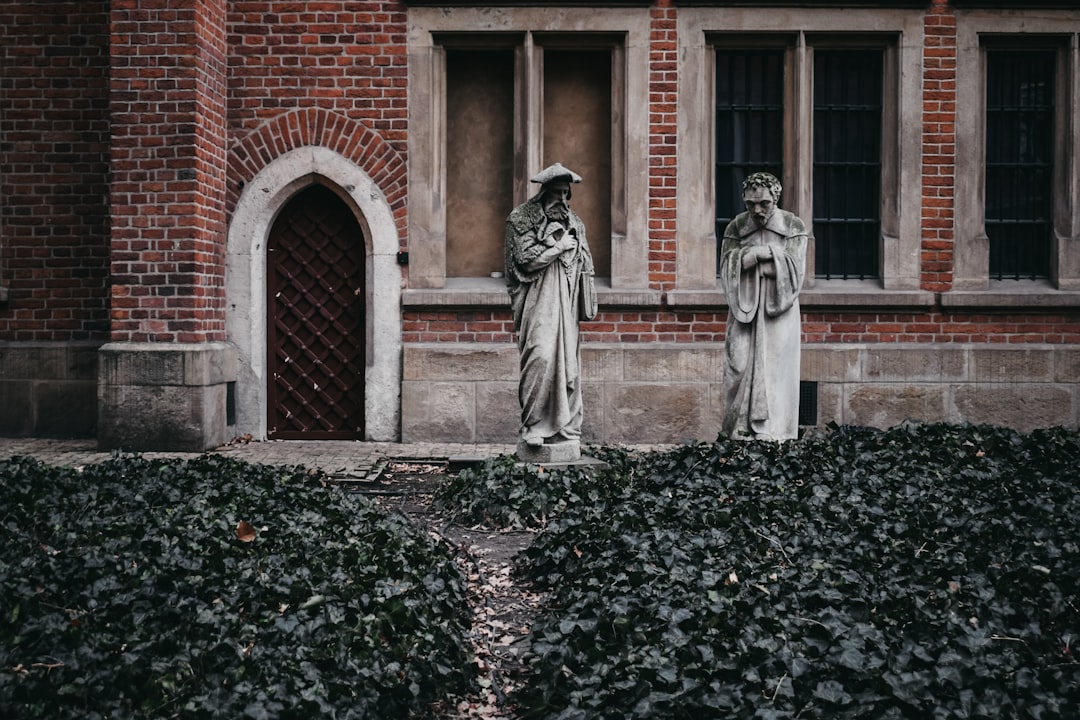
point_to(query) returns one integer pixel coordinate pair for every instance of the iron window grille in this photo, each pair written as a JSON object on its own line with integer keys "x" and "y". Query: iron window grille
{"x": 749, "y": 124}
{"x": 1019, "y": 162}
{"x": 847, "y": 162}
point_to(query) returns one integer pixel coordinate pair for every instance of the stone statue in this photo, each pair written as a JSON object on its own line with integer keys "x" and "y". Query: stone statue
{"x": 549, "y": 275}
{"x": 762, "y": 262}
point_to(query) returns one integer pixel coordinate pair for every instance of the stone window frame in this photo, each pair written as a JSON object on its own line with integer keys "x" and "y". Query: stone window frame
{"x": 900, "y": 32}
{"x": 978, "y": 30}
{"x": 430, "y": 31}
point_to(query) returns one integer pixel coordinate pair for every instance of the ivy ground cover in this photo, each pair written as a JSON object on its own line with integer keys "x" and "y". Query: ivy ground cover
{"x": 215, "y": 588}
{"x": 921, "y": 572}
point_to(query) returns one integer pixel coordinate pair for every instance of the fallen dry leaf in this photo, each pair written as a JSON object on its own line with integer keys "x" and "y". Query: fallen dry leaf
{"x": 245, "y": 531}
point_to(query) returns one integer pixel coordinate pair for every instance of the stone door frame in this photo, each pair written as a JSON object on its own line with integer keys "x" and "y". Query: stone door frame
{"x": 245, "y": 284}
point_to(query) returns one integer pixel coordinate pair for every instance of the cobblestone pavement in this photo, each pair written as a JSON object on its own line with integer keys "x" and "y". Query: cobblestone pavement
{"x": 340, "y": 458}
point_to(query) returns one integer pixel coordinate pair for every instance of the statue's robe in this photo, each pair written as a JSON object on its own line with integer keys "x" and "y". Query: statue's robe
{"x": 761, "y": 373}
{"x": 547, "y": 301}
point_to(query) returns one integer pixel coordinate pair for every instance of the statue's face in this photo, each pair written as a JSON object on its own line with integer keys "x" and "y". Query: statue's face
{"x": 556, "y": 199}
{"x": 760, "y": 203}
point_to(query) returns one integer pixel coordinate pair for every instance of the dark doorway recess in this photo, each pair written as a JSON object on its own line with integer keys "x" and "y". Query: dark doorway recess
{"x": 315, "y": 320}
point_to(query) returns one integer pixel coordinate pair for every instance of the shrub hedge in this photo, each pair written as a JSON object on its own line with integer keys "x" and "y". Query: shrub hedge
{"x": 922, "y": 572}
{"x": 216, "y": 588}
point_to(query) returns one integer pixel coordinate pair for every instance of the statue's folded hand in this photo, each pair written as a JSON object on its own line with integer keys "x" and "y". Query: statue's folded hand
{"x": 553, "y": 233}
{"x": 567, "y": 242}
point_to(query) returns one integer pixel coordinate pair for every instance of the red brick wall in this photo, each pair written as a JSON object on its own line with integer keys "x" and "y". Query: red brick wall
{"x": 342, "y": 56}
{"x": 663, "y": 126}
{"x": 207, "y": 95}
{"x": 608, "y": 327}
{"x": 330, "y": 73}
{"x": 853, "y": 327}
{"x": 54, "y": 149}
{"x": 939, "y": 146}
{"x": 168, "y": 171}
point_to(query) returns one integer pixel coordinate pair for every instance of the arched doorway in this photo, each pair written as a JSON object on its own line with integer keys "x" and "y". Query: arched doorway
{"x": 315, "y": 322}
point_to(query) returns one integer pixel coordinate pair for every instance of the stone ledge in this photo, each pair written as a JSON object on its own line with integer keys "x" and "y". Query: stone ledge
{"x": 494, "y": 295}
{"x": 166, "y": 364}
{"x": 1021, "y": 296}
{"x": 48, "y": 360}
{"x": 859, "y": 295}
{"x": 491, "y": 292}
{"x": 561, "y": 452}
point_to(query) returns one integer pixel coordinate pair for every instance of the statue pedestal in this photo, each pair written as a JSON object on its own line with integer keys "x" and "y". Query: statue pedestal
{"x": 562, "y": 452}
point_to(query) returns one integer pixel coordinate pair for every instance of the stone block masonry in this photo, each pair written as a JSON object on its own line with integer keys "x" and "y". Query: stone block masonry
{"x": 48, "y": 389}
{"x": 671, "y": 393}
{"x": 159, "y": 396}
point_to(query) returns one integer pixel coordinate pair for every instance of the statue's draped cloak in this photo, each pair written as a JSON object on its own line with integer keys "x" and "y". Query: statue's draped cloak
{"x": 547, "y": 304}
{"x": 761, "y": 373}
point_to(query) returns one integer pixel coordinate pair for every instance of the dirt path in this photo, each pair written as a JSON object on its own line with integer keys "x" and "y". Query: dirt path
{"x": 503, "y": 609}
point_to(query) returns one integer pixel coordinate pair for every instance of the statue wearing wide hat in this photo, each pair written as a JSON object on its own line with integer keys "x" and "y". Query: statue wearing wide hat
{"x": 549, "y": 275}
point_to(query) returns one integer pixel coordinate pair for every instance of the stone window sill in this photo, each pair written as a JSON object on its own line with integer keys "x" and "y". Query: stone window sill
{"x": 823, "y": 295}
{"x": 463, "y": 293}
{"x": 1011, "y": 295}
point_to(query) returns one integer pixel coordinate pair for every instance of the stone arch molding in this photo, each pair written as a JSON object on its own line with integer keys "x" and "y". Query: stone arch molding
{"x": 245, "y": 279}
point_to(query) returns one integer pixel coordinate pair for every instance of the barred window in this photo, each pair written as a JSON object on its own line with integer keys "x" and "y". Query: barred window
{"x": 829, "y": 101}
{"x": 1019, "y": 162}
{"x": 749, "y": 124}
{"x": 1016, "y": 217}
{"x": 847, "y": 162}
{"x": 846, "y": 146}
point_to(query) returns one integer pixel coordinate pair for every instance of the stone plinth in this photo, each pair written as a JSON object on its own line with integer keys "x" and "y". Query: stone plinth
{"x": 562, "y": 452}
{"x": 168, "y": 397}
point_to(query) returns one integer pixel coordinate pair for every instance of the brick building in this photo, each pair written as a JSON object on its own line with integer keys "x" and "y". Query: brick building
{"x": 221, "y": 217}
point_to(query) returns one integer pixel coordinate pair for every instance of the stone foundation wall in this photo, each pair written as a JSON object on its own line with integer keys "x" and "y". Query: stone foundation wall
{"x": 48, "y": 389}
{"x": 159, "y": 396}
{"x": 672, "y": 392}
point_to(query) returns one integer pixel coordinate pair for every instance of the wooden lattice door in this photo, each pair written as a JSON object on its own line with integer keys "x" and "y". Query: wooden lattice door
{"x": 315, "y": 320}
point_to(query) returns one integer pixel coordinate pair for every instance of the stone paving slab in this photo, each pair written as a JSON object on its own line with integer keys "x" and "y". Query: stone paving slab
{"x": 344, "y": 459}
{"x": 340, "y": 458}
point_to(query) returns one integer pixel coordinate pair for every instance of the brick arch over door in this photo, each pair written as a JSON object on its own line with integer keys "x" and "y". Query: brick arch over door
{"x": 262, "y": 198}
{"x": 316, "y": 127}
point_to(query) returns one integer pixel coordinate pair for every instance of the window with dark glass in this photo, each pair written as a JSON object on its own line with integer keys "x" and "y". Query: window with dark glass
{"x": 749, "y": 124}
{"x": 1019, "y": 161}
{"x": 847, "y": 163}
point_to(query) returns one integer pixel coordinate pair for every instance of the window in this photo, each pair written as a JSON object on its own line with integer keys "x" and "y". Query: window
{"x": 1019, "y": 162}
{"x": 577, "y": 132}
{"x": 829, "y": 100}
{"x": 846, "y": 148}
{"x": 749, "y": 124}
{"x": 480, "y": 131}
{"x": 490, "y": 108}
{"x": 1017, "y": 159}
{"x": 847, "y": 163}
{"x": 479, "y": 158}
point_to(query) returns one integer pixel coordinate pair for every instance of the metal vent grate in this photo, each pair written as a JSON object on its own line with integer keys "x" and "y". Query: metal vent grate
{"x": 808, "y": 401}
